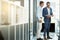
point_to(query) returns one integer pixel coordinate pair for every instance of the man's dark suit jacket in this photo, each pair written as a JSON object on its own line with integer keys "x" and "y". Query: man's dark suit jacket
{"x": 45, "y": 12}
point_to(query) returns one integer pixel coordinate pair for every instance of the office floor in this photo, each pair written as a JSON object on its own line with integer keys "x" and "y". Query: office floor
{"x": 52, "y": 35}
{"x": 5, "y": 32}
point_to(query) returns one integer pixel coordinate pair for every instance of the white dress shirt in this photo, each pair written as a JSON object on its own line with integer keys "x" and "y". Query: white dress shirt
{"x": 48, "y": 11}
{"x": 39, "y": 12}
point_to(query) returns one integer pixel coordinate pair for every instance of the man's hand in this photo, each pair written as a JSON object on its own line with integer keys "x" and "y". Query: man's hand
{"x": 40, "y": 21}
{"x": 52, "y": 15}
{"x": 40, "y": 17}
{"x": 49, "y": 16}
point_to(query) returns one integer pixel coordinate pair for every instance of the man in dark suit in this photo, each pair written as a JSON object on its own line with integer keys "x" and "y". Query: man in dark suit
{"x": 47, "y": 14}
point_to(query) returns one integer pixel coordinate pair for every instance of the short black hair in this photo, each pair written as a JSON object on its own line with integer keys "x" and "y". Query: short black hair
{"x": 41, "y": 2}
{"x": 48, "y": 3}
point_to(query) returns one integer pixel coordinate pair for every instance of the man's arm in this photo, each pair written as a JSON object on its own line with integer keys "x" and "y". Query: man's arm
{"x": 43, "y": 13}
{"x": 38, "y": 13}
{"x": 52, "y": 12}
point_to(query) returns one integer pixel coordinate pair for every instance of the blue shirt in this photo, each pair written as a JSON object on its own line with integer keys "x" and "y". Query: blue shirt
{"x": 39, "y": 12}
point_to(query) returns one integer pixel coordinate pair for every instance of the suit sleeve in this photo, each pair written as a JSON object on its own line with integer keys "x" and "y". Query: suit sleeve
{"x": 51, "y": 12}
{"x": 43, "y": 13}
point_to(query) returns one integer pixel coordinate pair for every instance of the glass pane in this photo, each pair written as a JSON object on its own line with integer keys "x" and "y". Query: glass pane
{"x": 12, "y": 14}
{"x": 12, "y": 33}
{"x": 4, "y": 13}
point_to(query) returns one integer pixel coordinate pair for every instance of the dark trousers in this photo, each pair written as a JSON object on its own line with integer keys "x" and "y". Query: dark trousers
{"x": 46, "y": 28}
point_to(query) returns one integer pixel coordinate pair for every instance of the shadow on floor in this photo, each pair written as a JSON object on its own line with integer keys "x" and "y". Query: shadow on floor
{"x": 1, "y": 36}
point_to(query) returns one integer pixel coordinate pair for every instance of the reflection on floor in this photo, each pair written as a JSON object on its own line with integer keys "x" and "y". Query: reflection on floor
{"x": 52, "y": 35}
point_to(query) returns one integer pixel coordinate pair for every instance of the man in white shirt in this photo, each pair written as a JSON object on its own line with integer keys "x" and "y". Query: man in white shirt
{"x": 39, "y": 21}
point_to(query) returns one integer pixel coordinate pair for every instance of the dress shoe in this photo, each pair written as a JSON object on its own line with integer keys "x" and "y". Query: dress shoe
{"x": 45, "y": 38}
{"x": 49, "y": 38}
{"x": 39, "y": 39}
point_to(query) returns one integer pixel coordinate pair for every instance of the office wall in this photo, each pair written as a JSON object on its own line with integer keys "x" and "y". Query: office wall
{"x": 0, "y": 11}
{"x": 18, "y": 18}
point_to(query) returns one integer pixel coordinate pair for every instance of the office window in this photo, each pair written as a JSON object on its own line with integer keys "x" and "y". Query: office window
{"x": 13, "y": 14}
{"x": 19, "y": 14}
{"x": 4, "y": 13}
